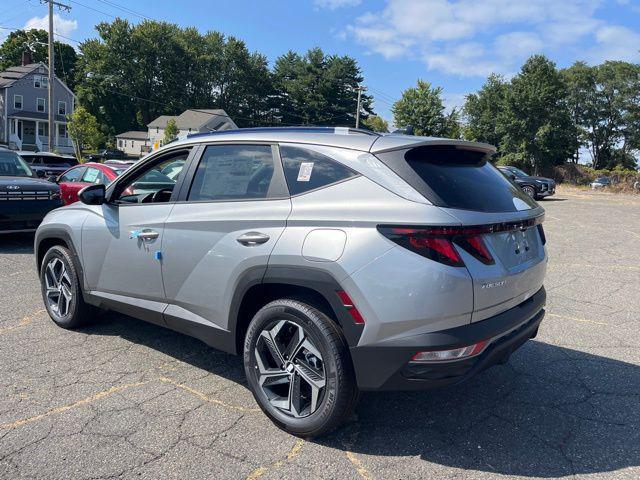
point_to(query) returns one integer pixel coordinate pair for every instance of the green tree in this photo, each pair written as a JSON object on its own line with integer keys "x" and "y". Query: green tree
{"x": 170, "y": 131}
{"x": 535, "y": 125}
{"x": 422, "y": 108}
{"x": 376, "y": 124}
{"x": 316, "y": 89}
{"x": 84, "y": 131}
{"x": 483, "y": 109}
{"x": 35, "y": 41}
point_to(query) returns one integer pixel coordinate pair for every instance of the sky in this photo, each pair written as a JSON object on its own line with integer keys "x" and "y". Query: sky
{"x": 454, "y": 44}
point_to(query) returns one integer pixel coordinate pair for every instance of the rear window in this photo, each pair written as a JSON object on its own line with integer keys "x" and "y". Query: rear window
{"x": 457, "y": 178}
{"x": 59, "y": 161}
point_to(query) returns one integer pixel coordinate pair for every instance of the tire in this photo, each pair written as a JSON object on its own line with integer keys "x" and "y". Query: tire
{"x": 58, "y": 272}
{"x": 529, "y": 191}
{"x": 318, "y": 375}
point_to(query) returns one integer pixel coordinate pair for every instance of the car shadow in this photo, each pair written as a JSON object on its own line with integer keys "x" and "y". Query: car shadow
{"x": 554, "y": 199}
{"x": 16, "y": 243}
{"x": 551, "y": 411}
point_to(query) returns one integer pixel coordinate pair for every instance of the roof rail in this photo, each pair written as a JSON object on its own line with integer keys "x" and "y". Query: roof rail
{"x": 302, "y": 129}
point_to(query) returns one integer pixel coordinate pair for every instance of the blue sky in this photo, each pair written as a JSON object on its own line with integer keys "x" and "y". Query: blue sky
{"x": 450, "y": 43}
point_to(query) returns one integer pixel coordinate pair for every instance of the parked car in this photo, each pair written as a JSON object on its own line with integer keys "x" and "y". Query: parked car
{"x": 120, "y": 163}
{"x": 24, "y": 198}
{"x": 46, "y": 164}
{"x": 106, "y": 154}
{"x": 535, "y": 187}
{"x": 80, "y": 176}
{"x": 332, "y": 260}
{"x": 601, "y": 182}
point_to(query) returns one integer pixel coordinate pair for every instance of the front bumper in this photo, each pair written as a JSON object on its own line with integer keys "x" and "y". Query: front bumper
{"x": 387, "y": 366}
{"x": 24, "y": 215}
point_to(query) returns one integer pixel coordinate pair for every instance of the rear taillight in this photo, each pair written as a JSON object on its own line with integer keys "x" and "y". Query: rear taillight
{"x": 437, "y": 243}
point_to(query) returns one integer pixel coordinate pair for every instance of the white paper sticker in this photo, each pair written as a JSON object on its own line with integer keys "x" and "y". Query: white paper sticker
{"x": 304, "y": 174}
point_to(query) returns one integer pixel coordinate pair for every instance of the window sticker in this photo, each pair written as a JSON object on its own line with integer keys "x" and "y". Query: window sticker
{"x": 91, "y": 175}
{"x": 304, "y": 174}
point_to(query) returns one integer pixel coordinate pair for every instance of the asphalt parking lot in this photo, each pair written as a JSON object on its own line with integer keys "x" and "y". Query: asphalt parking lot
{"x": 125, "y": 399}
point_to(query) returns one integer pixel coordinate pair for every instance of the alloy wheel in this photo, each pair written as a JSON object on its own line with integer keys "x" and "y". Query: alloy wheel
{"x": 290, "y": 369}
{"x": 529, "y": 191}
{"x": 58, "y": 287}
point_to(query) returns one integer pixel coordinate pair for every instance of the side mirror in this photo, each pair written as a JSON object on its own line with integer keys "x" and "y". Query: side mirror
{"x": 52, "y": 179}
{"x": 93, "y": 194}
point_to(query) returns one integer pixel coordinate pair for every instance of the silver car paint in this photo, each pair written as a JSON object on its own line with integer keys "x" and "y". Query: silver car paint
{"x": 398, "y": 292}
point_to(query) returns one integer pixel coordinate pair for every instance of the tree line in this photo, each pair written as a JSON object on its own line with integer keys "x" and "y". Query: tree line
{"x": 542, "y": 116}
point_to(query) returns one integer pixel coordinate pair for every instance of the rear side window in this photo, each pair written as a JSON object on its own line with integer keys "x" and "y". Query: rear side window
{"x": 457, "y": 178}
{"x": 307, "y": 170}
{"x": 233, "y": 172}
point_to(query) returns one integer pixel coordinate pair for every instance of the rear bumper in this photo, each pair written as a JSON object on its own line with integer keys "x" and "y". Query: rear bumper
{"x": 386, "y": 365}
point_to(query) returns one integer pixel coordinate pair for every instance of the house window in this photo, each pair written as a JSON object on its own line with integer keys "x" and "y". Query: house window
{"x": 62, "y": 108}
{"x": 62, "y": 130}
{"x": 17, "y": 102}
{"x": 40, "y": 104}
{"x": 119, "y": 143}
{"x": 43, "y": 129}
{"x": 37, "y": 81}
{"x": 45, "y": 82}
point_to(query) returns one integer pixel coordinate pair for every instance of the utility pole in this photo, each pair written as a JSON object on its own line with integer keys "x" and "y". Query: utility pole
{"x": 360, "y": 90}
{"x": 52, "y": 77}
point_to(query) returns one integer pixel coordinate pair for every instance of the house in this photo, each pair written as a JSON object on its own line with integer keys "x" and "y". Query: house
{"x": 190, "y": 121}
{"x": 24, "y": 109}
{"x": 133, "y": 143}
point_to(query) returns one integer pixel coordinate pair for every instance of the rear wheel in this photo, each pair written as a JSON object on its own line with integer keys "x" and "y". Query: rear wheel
{"x": 61, "y": 290}
{"x": 298, "y": 368}
{"x": 529, "y": 190}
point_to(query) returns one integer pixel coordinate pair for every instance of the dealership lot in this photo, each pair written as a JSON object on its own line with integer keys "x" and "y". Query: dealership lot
{"x": 127, "y": 399}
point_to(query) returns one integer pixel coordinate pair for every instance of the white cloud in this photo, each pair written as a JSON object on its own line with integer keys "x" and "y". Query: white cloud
{"x": 334, "y": 4}
{"x": 61, "y": 25}
{"x": 474, "y": 38}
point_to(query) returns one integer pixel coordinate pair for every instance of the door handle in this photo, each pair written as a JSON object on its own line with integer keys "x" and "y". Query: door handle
{"x": 144, "y": 235}
{"x": 251, "y": 239}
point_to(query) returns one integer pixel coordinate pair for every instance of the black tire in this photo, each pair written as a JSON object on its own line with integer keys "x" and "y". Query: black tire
{"x": 339, "y": 395}
{"x": 77, "y": 312}
{"x": 529, "y": 190}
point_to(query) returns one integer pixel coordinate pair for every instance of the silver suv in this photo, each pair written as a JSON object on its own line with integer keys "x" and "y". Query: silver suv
{"x": 333, "y": 260}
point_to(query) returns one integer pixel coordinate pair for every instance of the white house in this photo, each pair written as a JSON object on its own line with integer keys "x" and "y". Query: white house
{"x": 133, "y": 143}
{"x": 190, "y": 121}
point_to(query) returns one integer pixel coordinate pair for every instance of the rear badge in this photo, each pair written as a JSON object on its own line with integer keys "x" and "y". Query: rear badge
{"x": 494, "y": 284}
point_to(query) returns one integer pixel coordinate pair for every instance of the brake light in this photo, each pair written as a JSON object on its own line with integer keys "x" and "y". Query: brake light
{"x": 351, "y": 308}
{"x": 447, "y": 355}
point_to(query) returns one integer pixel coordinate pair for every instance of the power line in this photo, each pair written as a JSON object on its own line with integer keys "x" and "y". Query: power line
{"x": 92, "y": 8}
{"x": 125, "y": 9}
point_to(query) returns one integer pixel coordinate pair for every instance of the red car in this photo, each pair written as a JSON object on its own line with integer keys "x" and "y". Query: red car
{"x": 78, "y": 177}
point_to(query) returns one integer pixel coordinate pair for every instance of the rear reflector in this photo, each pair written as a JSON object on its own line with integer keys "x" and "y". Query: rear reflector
{"x": 448, "y": 355}
{"x": 348, "y": 304}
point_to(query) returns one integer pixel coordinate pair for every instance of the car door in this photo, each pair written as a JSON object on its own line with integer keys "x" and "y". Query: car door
{"x": 68, "y": 182}
{"x": 122, "y": 239}
{"x": 225, "y": 226}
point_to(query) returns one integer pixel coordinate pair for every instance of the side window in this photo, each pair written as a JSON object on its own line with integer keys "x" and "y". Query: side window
{"x": 307, "y": 170}
{"x": 93, "y": 175}
{"x": 155, "y": 182}
{"x": 233, "y": 172}
{"x": 72, "y": 175}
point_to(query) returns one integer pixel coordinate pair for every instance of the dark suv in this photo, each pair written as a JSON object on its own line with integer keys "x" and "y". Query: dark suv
{"x": 535, "y": 187}
{"x": 106, "y": 154}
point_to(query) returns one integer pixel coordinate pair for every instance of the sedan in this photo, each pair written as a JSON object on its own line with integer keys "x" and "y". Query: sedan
{"x": 76, "y": 178}
{"x": 601, "y": 182}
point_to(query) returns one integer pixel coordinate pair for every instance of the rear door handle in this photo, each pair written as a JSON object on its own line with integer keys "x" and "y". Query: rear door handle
{"x": 251, "y": 239}
{"x": 144, "y": 235}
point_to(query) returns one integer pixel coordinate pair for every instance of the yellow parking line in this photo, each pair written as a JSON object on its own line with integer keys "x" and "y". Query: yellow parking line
{"x": 260, "y": 471}
{"x": 65, "y": 408}
{"x": 207, "y": 398}
{"x": 577, "y": 319}
{"x": 24, "y": 322}
{"x": 355, "y": 461}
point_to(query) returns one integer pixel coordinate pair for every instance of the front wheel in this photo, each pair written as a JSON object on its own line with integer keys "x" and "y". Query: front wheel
{"x": 529, "y": 191}
{"x": 298, "y": 367}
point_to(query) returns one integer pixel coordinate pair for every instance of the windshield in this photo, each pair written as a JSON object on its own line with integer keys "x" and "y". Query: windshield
{"x": 11, "y": 165}
{"x": 517, "y": 172}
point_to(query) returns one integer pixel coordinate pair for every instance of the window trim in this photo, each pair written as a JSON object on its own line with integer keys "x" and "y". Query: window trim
{"x": 44, "y": 105}
{"x": 15, "y": 96}
{"x": 337, "y": 182}
{"x": 37, "y": 81}
{"x": 277, "y": 180}
{"x": 65, "y": 107}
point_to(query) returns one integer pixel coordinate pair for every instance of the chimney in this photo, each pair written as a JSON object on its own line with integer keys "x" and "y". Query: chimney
{"x": 26, "y": 58}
